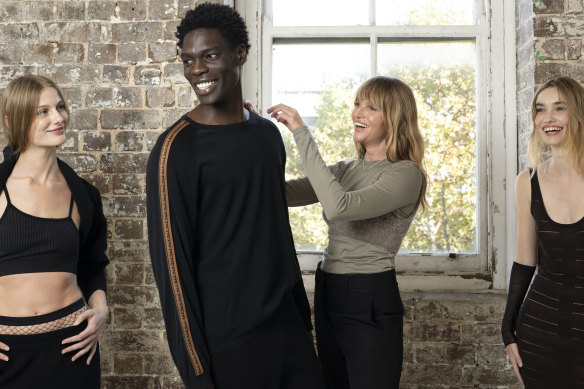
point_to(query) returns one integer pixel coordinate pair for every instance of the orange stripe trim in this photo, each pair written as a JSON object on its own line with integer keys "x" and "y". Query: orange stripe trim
{"x": 169, "y": 244}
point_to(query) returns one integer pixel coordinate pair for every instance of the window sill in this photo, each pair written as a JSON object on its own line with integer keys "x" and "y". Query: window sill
{"x": 459, "y": 277}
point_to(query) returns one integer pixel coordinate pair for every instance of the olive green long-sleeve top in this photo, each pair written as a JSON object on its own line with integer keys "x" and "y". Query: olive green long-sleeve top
{"x": 368, "y": 206}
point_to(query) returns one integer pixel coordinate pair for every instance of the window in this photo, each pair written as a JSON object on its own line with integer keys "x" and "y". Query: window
{"x": 313, "y": 54}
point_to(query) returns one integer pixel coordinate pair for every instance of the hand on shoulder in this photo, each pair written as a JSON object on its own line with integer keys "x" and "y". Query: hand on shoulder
{"x": 287, "y": 116}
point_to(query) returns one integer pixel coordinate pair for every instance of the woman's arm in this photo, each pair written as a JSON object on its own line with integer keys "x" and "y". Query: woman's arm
{"x": 299, "y": 192}
{"x": 92, "y": 257}
{"x": 91, "y": 280}
{"x": 96, "y": 316}
{"x": 526, "y": 238}
{"x": 397, "y": 187}
{"x": 522, "y": 270}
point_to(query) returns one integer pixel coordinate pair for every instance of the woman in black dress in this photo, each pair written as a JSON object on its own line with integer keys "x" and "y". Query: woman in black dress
{"x": 544, "y": 334}
{"x": 52, "y": 249}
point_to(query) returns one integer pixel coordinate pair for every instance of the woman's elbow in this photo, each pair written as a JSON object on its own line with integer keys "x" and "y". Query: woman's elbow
{"x": 336, "y": 214}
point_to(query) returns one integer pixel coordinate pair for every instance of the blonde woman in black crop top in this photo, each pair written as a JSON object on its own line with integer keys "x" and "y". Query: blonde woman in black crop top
{"x": 52, "y": 249}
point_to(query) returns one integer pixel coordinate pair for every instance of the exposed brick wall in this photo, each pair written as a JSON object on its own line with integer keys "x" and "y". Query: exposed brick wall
{"x": 525, "y": 70}
{"x": 116, "y": 62}
{"x": 550, "y": 39}
{"x": 453, "y": 341}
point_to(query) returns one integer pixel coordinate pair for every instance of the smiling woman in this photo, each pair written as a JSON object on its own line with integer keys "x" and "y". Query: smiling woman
{"x": 543, "y": 332}
{"x": 369, "y": 204}
{"x": 52, "y": 249}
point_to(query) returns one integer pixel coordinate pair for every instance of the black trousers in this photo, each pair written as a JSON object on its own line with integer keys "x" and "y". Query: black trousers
{"x": 36, "y": 360}
{"x": 359, "y": 329}
{"x": 279, "y": 356}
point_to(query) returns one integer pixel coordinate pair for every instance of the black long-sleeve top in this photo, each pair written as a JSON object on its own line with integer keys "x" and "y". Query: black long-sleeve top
{"x": 92, "y": 229}
{"x": 220, "y": 241}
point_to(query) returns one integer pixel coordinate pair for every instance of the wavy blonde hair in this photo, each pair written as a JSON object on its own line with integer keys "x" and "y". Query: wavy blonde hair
{"x": 397, "y": 104}
{"x": 571, "y": 94}
{"x": 19, "y": 106}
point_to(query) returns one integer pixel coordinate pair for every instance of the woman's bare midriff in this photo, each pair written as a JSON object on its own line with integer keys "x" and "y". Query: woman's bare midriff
{"x": 32, "y": 294}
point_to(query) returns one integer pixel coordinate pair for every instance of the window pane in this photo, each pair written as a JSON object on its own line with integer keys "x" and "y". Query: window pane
{"x": 424, "y": 12}
{"x": 320, "y": 12}
{"x": 442, "y": 76}
{"x": 319, "y": 80}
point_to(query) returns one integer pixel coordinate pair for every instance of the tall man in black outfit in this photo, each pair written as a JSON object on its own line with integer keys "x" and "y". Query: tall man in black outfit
{"x": 233, "y": 301}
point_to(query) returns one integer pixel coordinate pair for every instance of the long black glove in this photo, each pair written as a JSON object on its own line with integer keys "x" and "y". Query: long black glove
{"x": 521, "y": 276}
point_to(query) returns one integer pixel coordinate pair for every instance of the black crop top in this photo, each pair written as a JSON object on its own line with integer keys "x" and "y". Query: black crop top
{"x": 31, "y": 244}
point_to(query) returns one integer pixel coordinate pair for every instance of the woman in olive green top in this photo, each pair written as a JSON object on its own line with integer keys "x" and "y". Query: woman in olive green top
{"x": 369, "y": 204}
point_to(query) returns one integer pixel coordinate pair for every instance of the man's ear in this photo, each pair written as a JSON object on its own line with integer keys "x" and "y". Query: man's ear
{"x": 241, "y": 54}
{"x": 6, "y": 121}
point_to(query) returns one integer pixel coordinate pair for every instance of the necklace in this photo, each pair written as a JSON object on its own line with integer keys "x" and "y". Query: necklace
{"x": 364, "y": 168}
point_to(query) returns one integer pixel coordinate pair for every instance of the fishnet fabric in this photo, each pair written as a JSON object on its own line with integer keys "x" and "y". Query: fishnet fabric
{"x": 64, "y": 322}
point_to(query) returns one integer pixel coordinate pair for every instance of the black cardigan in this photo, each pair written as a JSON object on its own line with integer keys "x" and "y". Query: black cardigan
{"x": 219, "y": 236}
{"x": 92, "y": 230}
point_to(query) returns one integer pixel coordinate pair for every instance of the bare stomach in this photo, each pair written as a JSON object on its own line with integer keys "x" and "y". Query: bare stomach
{"x": 33, "y": 294}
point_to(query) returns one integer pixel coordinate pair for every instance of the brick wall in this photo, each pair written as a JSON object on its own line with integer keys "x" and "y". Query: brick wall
{"x": 525, "y": 72}
{"x": 116, "y": 62}
{"x": 549, "y": 44}
{"x": 453, "y": 341}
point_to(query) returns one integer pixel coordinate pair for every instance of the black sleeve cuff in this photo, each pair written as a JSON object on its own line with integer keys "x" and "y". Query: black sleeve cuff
{"x": 521, "y": 276}
{"x": 301, "y": 301}
{"x": 90, "y": 284}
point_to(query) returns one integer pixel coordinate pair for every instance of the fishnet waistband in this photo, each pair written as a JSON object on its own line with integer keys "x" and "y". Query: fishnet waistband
{"x": 41, "y": 328}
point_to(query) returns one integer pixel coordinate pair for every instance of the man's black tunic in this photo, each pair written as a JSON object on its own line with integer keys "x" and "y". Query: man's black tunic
{"x": 220, "y": 240}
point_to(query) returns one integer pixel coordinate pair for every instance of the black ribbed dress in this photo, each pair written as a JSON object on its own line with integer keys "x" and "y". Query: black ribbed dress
{"x": 550, "y": 330}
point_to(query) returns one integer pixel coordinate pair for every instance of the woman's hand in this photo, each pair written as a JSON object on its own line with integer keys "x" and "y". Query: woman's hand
{"x": 515, "y": 359}
{"x": 96, "y": 316}
{"x": 86, "y": 341}
{"x": 247, "y": 104}
{"x": 4, "y": 347}
{"x": 286, "y": 115}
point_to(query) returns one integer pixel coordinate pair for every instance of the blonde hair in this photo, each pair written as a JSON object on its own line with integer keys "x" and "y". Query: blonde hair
{"x": 571, "y": 94}
{"x": 397, "y": 104}
{"x": 18, "y": 108}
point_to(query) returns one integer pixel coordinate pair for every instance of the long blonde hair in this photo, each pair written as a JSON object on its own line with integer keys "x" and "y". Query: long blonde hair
{"x": 571, "y": 94}
{"x": 18, "y": 108}
{"x": 397, "y": 104}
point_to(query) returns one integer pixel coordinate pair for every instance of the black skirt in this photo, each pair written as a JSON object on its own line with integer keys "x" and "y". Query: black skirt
{"x": 550, "y": 333}
{"x": 36, "y": 361}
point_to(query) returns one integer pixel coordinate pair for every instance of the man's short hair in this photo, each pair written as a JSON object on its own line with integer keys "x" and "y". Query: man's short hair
{"x": 217, "y": 16}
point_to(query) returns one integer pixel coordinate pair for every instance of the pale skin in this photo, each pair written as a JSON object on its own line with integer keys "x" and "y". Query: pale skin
{"x": 561, "y": 188}
{"x": 37, "y": 187}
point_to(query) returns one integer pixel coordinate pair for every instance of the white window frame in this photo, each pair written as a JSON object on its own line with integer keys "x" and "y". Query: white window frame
{"x": 497, "y": 135}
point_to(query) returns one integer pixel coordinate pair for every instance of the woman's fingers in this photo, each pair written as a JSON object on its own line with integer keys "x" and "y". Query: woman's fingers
{"x": 86, "y": 341}
{"x": 80, "y": 336}
{"x": 4, "y": 347}
{"x": 286, "y": 115}
{"x": 247, "y": 104}
{"x": 92, "y": 353}
{"x": 515, "y": 359}
{"x": 83, "y": 351}
{"x": 81, "y": 347}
